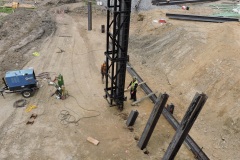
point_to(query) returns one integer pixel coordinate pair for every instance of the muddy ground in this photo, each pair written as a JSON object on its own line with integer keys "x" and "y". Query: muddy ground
{"x": 179, "y": 58}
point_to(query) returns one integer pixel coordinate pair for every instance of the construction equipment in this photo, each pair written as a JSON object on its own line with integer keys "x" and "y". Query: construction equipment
{"x": 20, "y": 81}
{"x": 61, "y": 92}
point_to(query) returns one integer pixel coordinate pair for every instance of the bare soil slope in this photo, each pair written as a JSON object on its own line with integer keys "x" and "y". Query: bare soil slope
{"x": 184, "y": 57}
{"x": 20, "y": 34}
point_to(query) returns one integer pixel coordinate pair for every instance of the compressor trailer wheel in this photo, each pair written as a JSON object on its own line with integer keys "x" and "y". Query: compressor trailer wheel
{"x": 27, "y": 93}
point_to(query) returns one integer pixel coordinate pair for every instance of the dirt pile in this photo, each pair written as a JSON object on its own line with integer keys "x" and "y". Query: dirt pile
{"x": 20, "y": 34}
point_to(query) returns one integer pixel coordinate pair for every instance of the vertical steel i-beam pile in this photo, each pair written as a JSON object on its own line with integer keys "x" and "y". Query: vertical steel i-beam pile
{"x": 118, "y": 23}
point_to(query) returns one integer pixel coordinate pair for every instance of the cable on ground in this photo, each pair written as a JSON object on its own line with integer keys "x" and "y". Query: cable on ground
{"x": 20, "y": 103}
{"x": 45, "y": 75}
{"x": 66, "y": 118}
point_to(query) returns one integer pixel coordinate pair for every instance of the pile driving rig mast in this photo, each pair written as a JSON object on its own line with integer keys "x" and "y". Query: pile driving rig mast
{"x": 118, "y": 23}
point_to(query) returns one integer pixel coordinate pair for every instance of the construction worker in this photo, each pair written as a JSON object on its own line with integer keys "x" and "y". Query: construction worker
{"x": 103, "y": 70}
{"x": 133, "y": 84}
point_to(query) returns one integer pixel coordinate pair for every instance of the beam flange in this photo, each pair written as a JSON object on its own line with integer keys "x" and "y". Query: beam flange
{"x": 201, "y": 18}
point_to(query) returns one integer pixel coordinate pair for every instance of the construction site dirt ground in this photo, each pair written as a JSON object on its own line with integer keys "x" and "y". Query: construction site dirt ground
{"x": 178, "y": 57}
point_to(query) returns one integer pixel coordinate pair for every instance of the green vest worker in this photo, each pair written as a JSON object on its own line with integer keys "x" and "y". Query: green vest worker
{"x": 133, "y": 91}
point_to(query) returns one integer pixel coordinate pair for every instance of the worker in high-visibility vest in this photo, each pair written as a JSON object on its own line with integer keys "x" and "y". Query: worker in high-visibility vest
{"x": 133, "y": 91}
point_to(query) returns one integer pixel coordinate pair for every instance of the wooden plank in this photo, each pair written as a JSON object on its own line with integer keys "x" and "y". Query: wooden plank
{"x": 93, "y": 141}
{"x": 10, "y": 5}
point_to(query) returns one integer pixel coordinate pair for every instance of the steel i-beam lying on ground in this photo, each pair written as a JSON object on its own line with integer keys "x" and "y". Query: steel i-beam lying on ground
{"x": 173, "y": 2}
{"x": 201, "y": 18}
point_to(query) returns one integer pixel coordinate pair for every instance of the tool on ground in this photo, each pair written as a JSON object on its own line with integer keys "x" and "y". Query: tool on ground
{"x": 34, "y": 116}
{"x": 36, "y": 54}
{"x": 29, "y": 122}
{"x": 30, "y": 107}
{"x": 20, "y": 81}
{"x": 60, "y": 50}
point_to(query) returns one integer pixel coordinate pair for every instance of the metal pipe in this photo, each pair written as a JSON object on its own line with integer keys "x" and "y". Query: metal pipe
{"x": 89, "y": 16}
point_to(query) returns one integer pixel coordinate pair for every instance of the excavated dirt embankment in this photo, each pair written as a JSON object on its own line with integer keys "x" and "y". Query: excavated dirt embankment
{"x": 182, "y": 58}
{"x": 20, "y": 35}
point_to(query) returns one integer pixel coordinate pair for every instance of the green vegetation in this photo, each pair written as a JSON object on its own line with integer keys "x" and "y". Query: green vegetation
{"x": 6, "y": 10}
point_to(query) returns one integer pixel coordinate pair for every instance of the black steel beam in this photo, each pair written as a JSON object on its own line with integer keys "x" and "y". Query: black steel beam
{"x": 132, "y": 118}
{"x": 173, "y": 2}
{"x": 186, "y": 124}
{"x": 201, "y": 18}
{"x": 89, "y": 16}
{"x": 118, "y": 23}
{"x": 152, "y": 121}
{"x": 197, "y": 151}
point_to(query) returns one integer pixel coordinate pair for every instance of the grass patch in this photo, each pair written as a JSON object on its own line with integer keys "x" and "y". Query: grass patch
{"x": 6, "y": 10}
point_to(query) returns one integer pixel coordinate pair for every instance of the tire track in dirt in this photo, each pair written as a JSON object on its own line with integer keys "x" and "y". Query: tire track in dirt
{"x": 81, "y": 64}
{"x": 90, "y": 57}
{"x": 46, "y": 56}
{"x": 10, "y": 134}
{"x": 5, "y": 125}
{"x": 19, "y": 136}
{"x": 58, "y": 59}
{"x": 47, "y": 60}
